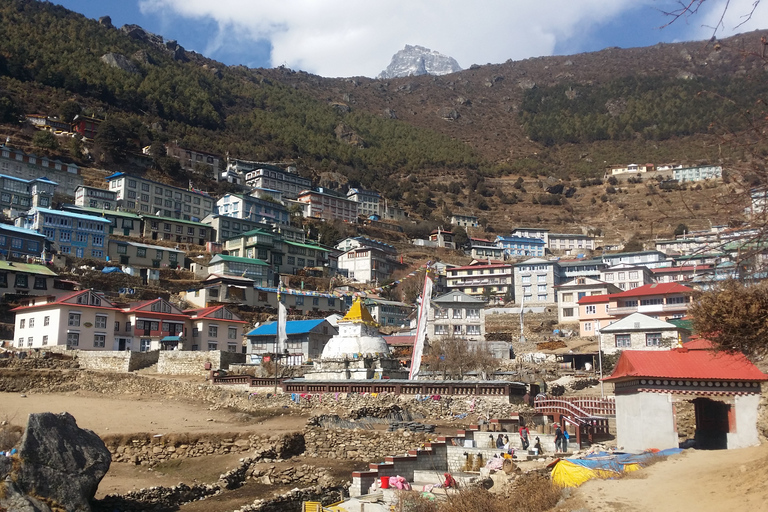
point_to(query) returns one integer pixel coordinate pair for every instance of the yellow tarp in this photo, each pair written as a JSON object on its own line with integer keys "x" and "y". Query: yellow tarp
{"x": 568, "y": 474}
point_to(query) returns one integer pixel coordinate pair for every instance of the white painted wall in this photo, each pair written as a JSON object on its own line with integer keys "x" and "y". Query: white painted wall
{"x": 645, "y": 420}
{"x": 746, "y": 422}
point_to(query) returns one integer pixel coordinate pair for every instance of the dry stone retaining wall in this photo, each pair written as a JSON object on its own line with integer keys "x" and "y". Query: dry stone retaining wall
{"x": 175, "y": 362}
{"x": 114, "y": 361}
{"x": 357, "y": 444}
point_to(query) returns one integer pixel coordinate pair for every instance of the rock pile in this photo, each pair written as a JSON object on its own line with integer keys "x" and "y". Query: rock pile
{"x": 411, "y": 426}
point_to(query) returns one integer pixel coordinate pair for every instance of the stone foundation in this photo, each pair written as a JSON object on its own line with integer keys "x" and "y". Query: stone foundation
{"x": 177, "y": 362}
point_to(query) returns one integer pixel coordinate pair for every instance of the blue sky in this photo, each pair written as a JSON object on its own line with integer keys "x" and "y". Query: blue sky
{"x": 342, "y": 38}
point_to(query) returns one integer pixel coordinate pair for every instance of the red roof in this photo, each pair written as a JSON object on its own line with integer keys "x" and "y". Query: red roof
{"x": 594, "y": 299}
{"x": 400, "y": 341}
{"x": 698, "y": 344}
{"x": 654, "y": 289}
{"x": 682, "y": 363}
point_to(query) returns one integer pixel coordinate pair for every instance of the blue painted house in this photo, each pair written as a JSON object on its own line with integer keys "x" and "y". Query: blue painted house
{"x": 306, "y": 340}
{"x": 521, "y": 246}
{"x": 72, "y": 234}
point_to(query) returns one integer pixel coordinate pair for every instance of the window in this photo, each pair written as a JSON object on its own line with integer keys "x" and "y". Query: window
{"x": 526, "y": 279}
{"x": 212, "y": 345}
{"x": 31, "y": 323}
{"x": 457, "y": 330}
{"x": 633, "y": 274}
{"x": 458, "y": 313}
{"x": 46, "y": 321}
{"x": 623, "y": 341}
{"x": 117, "y": 326}
{"x": 232, "y": 333}
{"x": 441, "y": 329}
{"x": 567, "y": 312}
{"x": 473, "y": 314}
{"x": 145, "y": 344}
{"x": 122, "y": 249}
{"x": 45, "y": 339}
{"x": 542, "y": 288}
{"x": 609, "y": 276}
{"x": 588, "y": 326}
{"x": 213, "y": 332}
{"x": 21, "y": 342}
{"x": 653, "y": 339}
{"x": 74, "y": 320}
{"x": 101, "y": 321}
{"x": 29, "y": 341}
{"x": 299, "y": 301}
{"x": 473, "y": 330}
{"x": 141, "y": 252}
{"x": 127, "y": 326}
{"x": 21, "y": 281}
{"x": 591, "y": 310}
{"x": 541, "y": 279}
{"x": 99, "y": 340}
{"x": 73, "y": 339}
{"x": 41, "y": 283}
{"x": 22, "y": 323}
{"x": 567, "y": 297}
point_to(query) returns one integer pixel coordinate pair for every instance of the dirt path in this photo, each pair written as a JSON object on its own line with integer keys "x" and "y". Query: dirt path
{"x": 704, "y": 481}
{"x": 128, "y": 415}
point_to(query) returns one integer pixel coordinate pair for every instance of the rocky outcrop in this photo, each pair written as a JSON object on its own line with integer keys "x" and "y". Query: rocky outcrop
{"x": 117, "y": 60}
{"x": 417, "y": 60}
{"x": 58, "y": 462}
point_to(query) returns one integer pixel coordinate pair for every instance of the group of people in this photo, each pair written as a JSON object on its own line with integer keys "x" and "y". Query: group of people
{"x": 502, "y": 441}
{"x": 561, "y": 438}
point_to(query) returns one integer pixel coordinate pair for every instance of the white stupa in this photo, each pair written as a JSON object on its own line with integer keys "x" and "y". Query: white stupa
{"x": 357, "y": 352}
{"x": 358, "y": 336}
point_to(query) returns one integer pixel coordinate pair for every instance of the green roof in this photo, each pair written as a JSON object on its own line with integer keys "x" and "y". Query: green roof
{"x": 307, "y": 246}
{"x": 257, "y": 231}
{"x": 182, "y": 221}
{"x": 99, "y": 212}
{"x": 237, "y": 259}
{"x": 686, "y": 324}
{"x": 28, "y": 268}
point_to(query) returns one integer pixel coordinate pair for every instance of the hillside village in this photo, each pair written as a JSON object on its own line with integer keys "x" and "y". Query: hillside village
{"x": 265, "y": 285}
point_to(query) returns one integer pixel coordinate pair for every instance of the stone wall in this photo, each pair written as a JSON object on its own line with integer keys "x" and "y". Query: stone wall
{"x": 114, "y": 361}
{"x": 357, "y": 444}
{"x": 147, "y": 450}
{"x": 175, "y": 362}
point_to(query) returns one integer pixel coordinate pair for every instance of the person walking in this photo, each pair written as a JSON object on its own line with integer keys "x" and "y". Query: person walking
{"x": 558, "y": 437}
{"x": 523, "y": 431}
{"x": 564, "y": 440}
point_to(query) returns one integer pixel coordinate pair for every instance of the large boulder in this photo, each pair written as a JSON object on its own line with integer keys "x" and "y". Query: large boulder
{"x": 61, "y": 461}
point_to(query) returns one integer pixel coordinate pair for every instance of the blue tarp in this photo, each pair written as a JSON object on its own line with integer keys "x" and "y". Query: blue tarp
{"x": 111, "y": 270}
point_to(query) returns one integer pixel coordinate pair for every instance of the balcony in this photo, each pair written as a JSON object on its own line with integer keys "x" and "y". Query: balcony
{"x": 647, "y": 309}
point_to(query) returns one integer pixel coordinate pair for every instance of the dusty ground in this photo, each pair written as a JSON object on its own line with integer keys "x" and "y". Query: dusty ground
{"x": 704, "y": 481}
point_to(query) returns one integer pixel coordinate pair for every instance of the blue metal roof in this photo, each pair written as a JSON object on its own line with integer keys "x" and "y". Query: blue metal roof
{"x": 71, "y": 215}
{"x": 291, "y": 327}
{"x": 21, "y": 231}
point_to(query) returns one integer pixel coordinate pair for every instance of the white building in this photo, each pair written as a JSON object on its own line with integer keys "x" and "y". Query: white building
{"x": 151, "y": 197}
{"x": 535, "y": 280}
{"x": 262, "y": 175}
{"x": 368, "y": 201}
{"x": 93, "y": 197}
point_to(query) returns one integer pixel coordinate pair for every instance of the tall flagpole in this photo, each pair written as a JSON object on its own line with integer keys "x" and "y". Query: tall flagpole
{"x": 421, "y": 326}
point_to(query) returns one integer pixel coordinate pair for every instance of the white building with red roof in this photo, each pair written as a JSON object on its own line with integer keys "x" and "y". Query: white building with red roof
{"x": 724, "y": 388}
{"x": 216, "y": 328}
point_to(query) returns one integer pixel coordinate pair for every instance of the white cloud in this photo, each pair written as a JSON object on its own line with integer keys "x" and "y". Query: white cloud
{"x": 735, "y": 16}
{"x": 343, "y": 38}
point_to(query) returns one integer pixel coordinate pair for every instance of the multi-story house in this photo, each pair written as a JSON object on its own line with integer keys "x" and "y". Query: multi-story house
{"x": 262, "y": 175}
{"x": 493, "y": 282}
{"x": 562, "y": 243}
{"x": 658, "y": 300}
{"x": 151, "y": 197}
{"x": 260, "y": 244}
{"x": 514, "y": 246}
{"x": 157, "y": 324}
{"x": 367, "y": 264}
{"x": 215, "y": 328}
{"x": 81, "y": 320}
{"x": 388, "y": 313}
{"x": 73, "y": 234}
{"x": 571, "y": 292}
{"x": 466, "y": 221}
{"x": 26, "y": 279}
{"x": 98, "y": 198}
{"x": 196, "y": 161}
{"x": 539, "y": 233}
{"x": 86, "y": 126}
{"x": 535, "y": 280}
{"x": 121, "y": 223}
{"x": 626, "y": 276}
{"x": 650, "y": 259}
{"x": 675, "y": 274}
{"x": 20, "y": 242}
{"x": 252, "y": 208}
{"x": 175, "y": 230}
{"x": 443, "y": 239}
{"x": 224, "y": 227}
{"x": 570, "y": 269}
{"x": 143, "y": 256}
{"x": 456, "y": 314}
{"x": 18, "y": 195}
{"x": 329, "y": 205}
{"x": 482, "y": 249}
{"x": 641, "y": 332}
{"x": 698, "y": 173}
{"x": 306, "y": 340}
{"x": 307, "y": 255}
{"x": 368, "y": 201}
{"x": 257, "y": 270}
{"x": 16, "y": 163}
